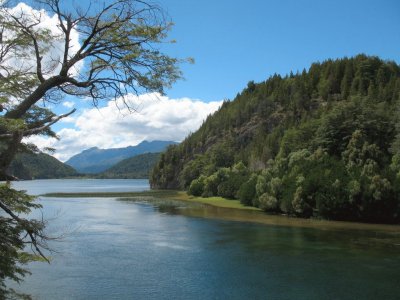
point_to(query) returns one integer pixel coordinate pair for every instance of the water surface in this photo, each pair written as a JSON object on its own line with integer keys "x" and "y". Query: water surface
{"x": 129, "y": 250}
{"x": 43, "y": 186}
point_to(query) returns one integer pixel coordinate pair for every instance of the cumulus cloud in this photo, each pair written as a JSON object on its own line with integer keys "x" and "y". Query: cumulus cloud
{"x": 156, "y": 118}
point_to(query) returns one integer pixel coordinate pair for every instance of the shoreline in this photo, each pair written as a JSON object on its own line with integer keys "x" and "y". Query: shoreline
{"x": 233, "y": 210}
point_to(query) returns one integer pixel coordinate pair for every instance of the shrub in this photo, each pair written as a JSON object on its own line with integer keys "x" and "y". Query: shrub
{"x": 247, "y": 191}
{"x": 211, "y": 186}
{"x": 268, "y": 203}
{"x": 197, "y": 186}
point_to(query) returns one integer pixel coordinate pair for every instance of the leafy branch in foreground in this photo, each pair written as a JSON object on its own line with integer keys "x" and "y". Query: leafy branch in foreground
{"x": 18, "y": 235}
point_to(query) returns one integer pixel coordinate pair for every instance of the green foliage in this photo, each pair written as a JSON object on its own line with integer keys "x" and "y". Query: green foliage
{"x": 231, "y": 180}
{"x": 323, "y": 143}
{"x": 39, "y": 166}
{"x": 228, "y": 188}
{"x": 222, "y": 155}
{"x": 297, "y": 138}
{"x": 165, "y": 174}
{"x": 268, "y": 203}
{"x": 395, "y": 165}
{"x": 338, "y": 125}
{"x": 211, "y": 184}
{"x": 247, "y": 191}
{"x": 197, "y": 186}
{"x": 225, "y": 182}
{"x": 14, "y": 236}
{"x": 192, "y": 170}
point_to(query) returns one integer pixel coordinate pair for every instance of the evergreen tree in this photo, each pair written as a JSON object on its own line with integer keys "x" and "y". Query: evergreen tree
{"x": 314, "y": 144}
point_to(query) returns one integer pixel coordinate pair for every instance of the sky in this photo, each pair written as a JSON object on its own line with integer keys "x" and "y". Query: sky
{"x": 232, "y": 42}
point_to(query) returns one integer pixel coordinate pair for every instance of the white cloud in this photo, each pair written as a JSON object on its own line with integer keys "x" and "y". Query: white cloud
{"x": 157, "y": 118}
{"x": 68, "y": 104}
{"x": 68, "y": 119}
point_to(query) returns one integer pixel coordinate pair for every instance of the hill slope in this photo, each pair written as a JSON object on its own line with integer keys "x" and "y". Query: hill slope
{"x": 138, "y": 166}
{"x": 321, "y": 143}
{"x": 95, "y": 160}
{"x": 39, "y": 166}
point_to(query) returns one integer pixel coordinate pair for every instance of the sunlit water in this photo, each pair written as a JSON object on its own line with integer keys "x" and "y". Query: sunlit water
{"x": 124, "y": 250}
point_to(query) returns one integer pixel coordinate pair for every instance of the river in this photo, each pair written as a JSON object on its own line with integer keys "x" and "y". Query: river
{"x": 113, "y": 249}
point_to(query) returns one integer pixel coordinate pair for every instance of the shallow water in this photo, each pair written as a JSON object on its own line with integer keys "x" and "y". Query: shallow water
{"x": 131, "y": 250}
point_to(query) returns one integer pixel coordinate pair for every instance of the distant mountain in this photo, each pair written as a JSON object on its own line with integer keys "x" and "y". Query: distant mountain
{"x": 138, "y": 166}
{"x": 39, "y": 166}
{"x": 95, "y": 160}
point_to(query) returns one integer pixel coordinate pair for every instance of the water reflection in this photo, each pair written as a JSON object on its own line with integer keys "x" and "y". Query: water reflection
{"x": 299, "y": 235}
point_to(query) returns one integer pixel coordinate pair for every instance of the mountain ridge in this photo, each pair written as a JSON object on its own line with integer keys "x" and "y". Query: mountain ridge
{"x": 95, "y": 160}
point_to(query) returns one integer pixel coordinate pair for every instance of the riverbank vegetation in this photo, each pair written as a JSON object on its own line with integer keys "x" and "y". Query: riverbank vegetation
{"x": 322, "y": 143}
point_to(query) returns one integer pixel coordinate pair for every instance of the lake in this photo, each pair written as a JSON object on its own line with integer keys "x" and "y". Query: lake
{"x": 37, "y": 187}
{"x": 114, "y": 249}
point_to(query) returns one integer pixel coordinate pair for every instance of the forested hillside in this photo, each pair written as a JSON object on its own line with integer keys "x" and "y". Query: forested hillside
{"x": 324, "y": 142}
{"x": 138, "y": 166}
{"x": 39, "y": 166}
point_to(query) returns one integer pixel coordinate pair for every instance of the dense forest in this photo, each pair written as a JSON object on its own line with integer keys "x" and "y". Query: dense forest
{"x": 319, "y": 143}
{"x": 39, "y": 166}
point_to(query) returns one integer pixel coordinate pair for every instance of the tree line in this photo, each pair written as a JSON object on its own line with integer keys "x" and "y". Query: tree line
{"x": 323, "y": 142}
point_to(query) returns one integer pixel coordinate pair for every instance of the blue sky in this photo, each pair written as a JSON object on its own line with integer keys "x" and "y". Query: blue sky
{"x": 234, "y": 42}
